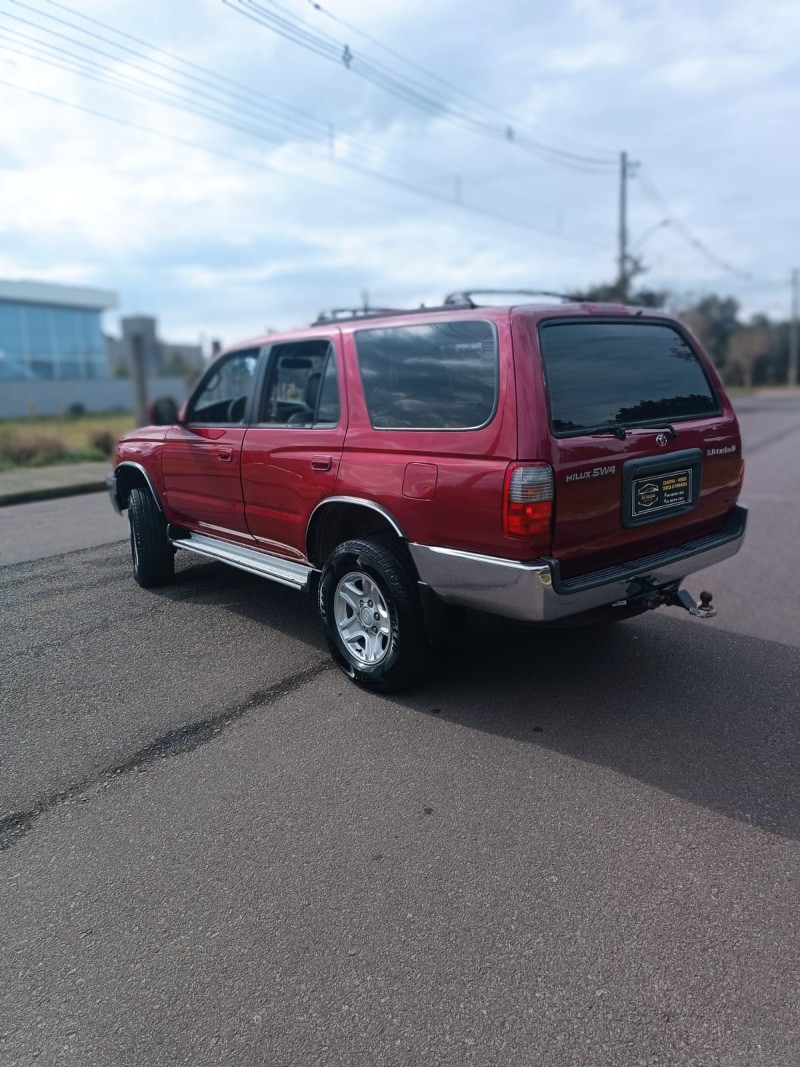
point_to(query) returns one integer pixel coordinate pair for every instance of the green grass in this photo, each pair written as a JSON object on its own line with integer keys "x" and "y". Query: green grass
{"x": 39, "y": 440}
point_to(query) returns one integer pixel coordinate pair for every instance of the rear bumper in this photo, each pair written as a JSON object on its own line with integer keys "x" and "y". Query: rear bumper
{"x": 535, "y": 591}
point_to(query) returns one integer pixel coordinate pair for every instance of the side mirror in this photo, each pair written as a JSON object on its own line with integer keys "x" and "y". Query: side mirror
{"x": 163, "y": 412}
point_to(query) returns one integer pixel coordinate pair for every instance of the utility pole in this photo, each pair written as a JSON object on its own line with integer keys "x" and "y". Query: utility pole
{"x": 138, "y": 376}
{"x": 794, "y": 329}
{"x": 622, "y": 273}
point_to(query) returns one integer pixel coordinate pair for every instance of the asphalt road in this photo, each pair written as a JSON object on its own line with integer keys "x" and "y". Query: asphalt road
{"x": 571, "y": 848}
{"x": 53, "y": 527}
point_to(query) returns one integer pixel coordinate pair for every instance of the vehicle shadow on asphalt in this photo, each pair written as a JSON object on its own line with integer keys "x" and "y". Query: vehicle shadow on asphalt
{"x": 702, "y": 714}
{"x": 705, "y": 715}
{"x": 268, "y": 604}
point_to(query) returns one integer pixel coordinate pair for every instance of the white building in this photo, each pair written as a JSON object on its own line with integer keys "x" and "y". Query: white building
{"x": 52, "y": 332}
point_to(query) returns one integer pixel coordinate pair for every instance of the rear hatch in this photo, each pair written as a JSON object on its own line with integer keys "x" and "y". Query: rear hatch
{"x": 644, "y": 444}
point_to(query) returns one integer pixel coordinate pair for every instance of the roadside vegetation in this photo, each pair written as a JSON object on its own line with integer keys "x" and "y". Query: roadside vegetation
{"x": 37, "y": 441}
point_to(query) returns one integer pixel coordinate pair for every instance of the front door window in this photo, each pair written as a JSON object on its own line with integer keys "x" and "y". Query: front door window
{"x": 222, "y": 398}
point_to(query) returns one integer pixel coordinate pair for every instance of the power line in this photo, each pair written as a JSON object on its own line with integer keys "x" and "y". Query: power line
{"x": 292, "y": 28}
{"x": 396, "y": 183}
{"x": 75, "y": 64}
{"x": 294, "y": 121}
{"x": 605, "y": 158}
{"x": 213, "y": 105}
{"x": 656, "y": 197}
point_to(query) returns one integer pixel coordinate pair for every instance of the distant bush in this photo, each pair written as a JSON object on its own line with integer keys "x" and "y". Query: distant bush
{"x": 103, "y": 441}
{"x": 76, "y": 410}
{"x": 31, "y": 449}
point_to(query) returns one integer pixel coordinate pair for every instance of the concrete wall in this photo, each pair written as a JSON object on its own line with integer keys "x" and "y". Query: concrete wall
{"x": 55, "y": 398}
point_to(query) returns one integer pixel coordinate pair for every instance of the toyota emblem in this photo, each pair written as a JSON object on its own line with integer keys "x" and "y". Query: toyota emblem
{"x": 662, "y": 439}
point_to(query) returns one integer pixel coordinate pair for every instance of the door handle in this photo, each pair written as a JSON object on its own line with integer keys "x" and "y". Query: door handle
{"x": 225, "y": 455}
{"x": 321, "y": 463}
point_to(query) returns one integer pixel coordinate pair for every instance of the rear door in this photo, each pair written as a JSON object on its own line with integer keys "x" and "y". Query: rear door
{"x": 645, "y": 446}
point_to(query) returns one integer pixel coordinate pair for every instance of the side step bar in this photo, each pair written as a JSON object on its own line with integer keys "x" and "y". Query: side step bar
{"x": 295, "y": 575}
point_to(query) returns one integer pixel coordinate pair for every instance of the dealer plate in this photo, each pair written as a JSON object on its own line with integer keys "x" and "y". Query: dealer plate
{"x": 661, "y": 493}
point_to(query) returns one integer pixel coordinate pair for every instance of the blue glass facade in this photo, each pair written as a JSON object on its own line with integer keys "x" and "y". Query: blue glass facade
{"x": 48, "y": 341}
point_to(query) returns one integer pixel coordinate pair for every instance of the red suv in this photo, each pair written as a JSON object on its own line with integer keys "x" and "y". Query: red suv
{"x": 567, "y": 461}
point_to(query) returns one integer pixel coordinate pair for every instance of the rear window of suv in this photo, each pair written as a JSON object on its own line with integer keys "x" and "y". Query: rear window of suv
{"x": 431, "y": 376}
{"x": 603, "y": 374}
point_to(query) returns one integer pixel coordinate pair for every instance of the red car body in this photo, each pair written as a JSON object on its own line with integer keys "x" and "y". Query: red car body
{"x": 291, "y": 493}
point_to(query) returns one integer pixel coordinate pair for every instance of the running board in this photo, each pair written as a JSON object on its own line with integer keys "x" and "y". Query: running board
{"x": 295, "y": 575}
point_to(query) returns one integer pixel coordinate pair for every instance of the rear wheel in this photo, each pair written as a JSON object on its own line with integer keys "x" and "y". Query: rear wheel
{"x": 371, "y": 614}
{"x": 153, "y": 557}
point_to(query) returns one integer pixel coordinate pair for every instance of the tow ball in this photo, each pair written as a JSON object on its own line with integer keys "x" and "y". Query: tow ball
{"x": 682, "y": 598}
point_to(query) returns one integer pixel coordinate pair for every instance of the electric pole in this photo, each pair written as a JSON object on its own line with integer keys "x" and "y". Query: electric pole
{"x": 622, "y": 273}
{"x": 794, "y": 329}
{"x": 139, "y": 377}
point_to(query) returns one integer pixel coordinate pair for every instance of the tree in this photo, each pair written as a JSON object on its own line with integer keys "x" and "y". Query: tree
{"x": 747, "y": 346}
{"x": 611, "y": 293}
{"x": 714, "y": 320}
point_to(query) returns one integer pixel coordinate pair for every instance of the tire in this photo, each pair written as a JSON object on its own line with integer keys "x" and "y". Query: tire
{"x": 153, "y": 556}
{"x": 389, "y": 650}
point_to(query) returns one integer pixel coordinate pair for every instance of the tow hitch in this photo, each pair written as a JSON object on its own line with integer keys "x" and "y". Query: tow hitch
{"x": 682, "y": 598}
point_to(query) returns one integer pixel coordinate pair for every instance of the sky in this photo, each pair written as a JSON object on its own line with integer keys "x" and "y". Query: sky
{"x": 230, "y": 181}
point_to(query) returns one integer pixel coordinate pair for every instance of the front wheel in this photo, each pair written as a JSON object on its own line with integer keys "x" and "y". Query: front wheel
{"x": 153, "y": 558}
{"x": 371, "y": 614}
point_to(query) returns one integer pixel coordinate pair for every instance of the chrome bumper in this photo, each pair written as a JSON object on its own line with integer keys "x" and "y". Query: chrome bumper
{"x": 535, "y": 591}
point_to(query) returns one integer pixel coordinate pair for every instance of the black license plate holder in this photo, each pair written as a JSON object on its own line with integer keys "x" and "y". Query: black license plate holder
{"x": 660, "y": 487}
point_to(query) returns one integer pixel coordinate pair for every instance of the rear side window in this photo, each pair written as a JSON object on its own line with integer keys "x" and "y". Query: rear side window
{"x": 621, "y": 374}
{"x": 440, "y": 375}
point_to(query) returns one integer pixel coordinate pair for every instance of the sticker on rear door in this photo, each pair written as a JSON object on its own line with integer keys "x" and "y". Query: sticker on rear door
{"x": 661, "y": 493}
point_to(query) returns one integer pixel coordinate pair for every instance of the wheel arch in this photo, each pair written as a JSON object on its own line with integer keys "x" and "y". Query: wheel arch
{"x": 128, "y": 476}
{"x": 344, "y": 518}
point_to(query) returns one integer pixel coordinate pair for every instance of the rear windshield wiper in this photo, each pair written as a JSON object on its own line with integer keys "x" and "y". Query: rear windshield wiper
{"x": 613, "y": 428}
{"x": 616, "y": 429}
{"x": 587, "y": 431}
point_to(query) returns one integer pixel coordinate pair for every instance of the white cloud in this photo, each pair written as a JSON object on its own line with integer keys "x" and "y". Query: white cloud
{"x": 248, "y": 232}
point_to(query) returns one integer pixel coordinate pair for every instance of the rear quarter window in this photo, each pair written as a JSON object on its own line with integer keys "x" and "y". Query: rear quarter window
{"x": 621, "y": 374}
{"x": 440, "y": 375}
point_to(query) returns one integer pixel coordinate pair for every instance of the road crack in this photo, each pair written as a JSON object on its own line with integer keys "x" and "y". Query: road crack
{"x": 177, "y": 742}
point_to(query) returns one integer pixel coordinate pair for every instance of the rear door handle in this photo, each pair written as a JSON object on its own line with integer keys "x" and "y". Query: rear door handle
{"x": 321, "y": 463}
{"x": 225, "y": 455}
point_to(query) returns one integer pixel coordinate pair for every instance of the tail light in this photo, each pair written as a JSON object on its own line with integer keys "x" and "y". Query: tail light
{"x": 528, "y": 500}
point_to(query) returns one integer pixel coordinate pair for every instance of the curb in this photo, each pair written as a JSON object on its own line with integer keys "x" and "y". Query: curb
{"x": 28, "y": 496}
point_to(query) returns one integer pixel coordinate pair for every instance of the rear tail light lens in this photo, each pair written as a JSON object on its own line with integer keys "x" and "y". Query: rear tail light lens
{"x": 528, "y": 510}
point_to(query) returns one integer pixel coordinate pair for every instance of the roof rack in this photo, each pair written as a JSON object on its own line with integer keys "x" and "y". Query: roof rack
{"x": 463, "y": 298}
{"x": 347, "y": 314}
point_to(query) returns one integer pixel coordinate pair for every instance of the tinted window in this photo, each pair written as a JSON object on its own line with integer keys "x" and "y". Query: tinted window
{"x": 302, "y": 387}
{"x": 438, "y": 376}
{"x": 621, "y": 373}
{"x": 223, "y": 395}
{"x": 328, "y": 403}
